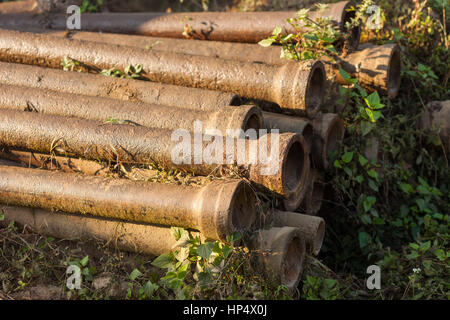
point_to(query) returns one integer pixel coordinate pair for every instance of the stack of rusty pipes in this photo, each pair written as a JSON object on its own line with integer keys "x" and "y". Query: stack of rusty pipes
{"x": 75, "y": 117}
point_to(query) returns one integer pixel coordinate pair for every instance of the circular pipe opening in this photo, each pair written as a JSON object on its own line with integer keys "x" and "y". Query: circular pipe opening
{"x": 235, "y": 100}
{"x": 394, "y": 73}
{"x": 293, "y": 262}
{"x": 315, "y": 89}
{"x": 243, "y": 207}
{"x": 293, "y": 166}
{"x": 253, "y": 122}
{"x": 307, "y": 133}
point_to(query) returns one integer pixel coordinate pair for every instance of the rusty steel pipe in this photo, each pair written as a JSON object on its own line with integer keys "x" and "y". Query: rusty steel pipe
{"x": 280, "y": 254}
{"x": 329, "y": 131}
{"x": 312, "y": 229}
{"x": 116, "y": 88}
{"x": 216, "y": 210}
{"x": 52, "y": 162}
{"x": 133, "y": 237}
{"x": 296, "y": 87}
{"x": 376, "y": 67}
{"x": 150, "y": 115}
{"x": 286, "y": 123}
{"x": 248, "y": 27}
{"x": 93, "y": 140}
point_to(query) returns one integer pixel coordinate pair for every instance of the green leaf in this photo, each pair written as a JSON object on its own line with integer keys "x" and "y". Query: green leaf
{"x": 369, "y": 202}
{"x": 364, "y": 239}
{"x": 406, "y": 188}
{"x": 277, "y": 31}
{"x": 150, "y": 288}
{"x": 84, "y": 261}
{"x": 372, "y": 185}
{"x": 337, "y": 164}
{"x": 347, "y": 157}
{"x": 331, "y": 48}
{"x": 178, "y": 232}
{"x": 369, "y": 113}
{"x": 373, "y": 99}
{"x": 366, "y": 127}
{"x": 362, "y": 160}
{"x": 415, "y": 246}
{"x": 373, "y": 174}
{"x": 163, "y": 261}
{"x": 205, "y": 250}
{"x": 135, "y": 274}
{"x": 346, "y": 76}
{"x": 425, "y": 246}
{"x": 266, "y": 42}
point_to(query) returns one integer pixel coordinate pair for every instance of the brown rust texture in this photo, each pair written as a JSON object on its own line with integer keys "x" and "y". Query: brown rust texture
{"x": 100, "y": 108}
{"x": 280, "y": 254}
{"x": 26, "y": 6}
{"x": 289, "y": 85}
{"x": 248, "y": 27}
{"x": 286, "y": 123}
{"x": 127, "y": 143}
{"x": 312, "y": 229}
{"x": 116, "y": 88}
{"x": 134, "y": 237}
{"x": 52, "y": 162}
{"x": 136, "y": 201}
{"x": 376, "y": 67}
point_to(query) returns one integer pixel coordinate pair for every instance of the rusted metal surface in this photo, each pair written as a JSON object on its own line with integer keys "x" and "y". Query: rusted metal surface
{"x": 312, "y": 228}
{"x": 286, "y": 123}
{"x": 295, "y": 199}
{"x": 133, "y": 237}
{"x": 329, "y": 130}
{"x": 94, "y": 140}
{"x": 217, "y": 210}
{"x": 28, "y": 6}
{"x": 151, "y": 115}
{"x": 296, "y": 87}
{"x": 52, "y": 162}
{"x": 280, "y": 254}
{"x": 224, "y": 50}
{"x": 248, "y": 27}
{"x": 376, "y": 67}
{"x": 117, "y": 88}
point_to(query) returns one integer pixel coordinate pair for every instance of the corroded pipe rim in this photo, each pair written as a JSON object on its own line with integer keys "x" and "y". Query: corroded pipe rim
{"x": 315, "y": 89}
{"x": 253, "y": 119}
{"x": 294, "y": 200}
{"x": 394, "y": 72}
{"x": 242, "y": 219}
{"x": 294, "y": 164}
{"x": 320, "y": 235}
{"x": 293, "y": 259}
